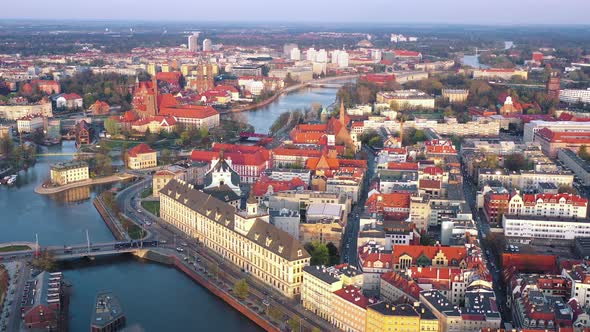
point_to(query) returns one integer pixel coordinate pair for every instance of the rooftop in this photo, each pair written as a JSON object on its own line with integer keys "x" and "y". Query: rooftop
{"x": 107, "y": 309}
{"x": 66, "y": 165}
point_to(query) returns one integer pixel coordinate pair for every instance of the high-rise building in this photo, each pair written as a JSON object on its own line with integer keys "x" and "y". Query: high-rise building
{"x": 193, "y": 42}
{"x": 295, "y": 54}
{"x": 321, "y": 56}
{"x": 553, "y": 86}
{"x": 311, "y": 54}
{"x": 342, "y": 59}
{"x": 287, "y": 48}
{"x": 207, "y": 45}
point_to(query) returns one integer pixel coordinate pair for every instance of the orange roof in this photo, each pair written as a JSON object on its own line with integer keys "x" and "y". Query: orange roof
{"x": 189, "y": 111}
{"x": 354, "y": 295}
{"x": 296, "y": 152}
{"x": 429, "y": 184}
{"x": 378, "y": 202}
{"x": 451, "y": 253}
{"x": 166, "y": 100}
{"x": 403, "y": 166}
{"x": 260, "y": 188}
{"x": 140, "y": 149}
{"x": 171, "y": 77}
{"x": 402, "y": 283}
{"x": 322, "y": 163}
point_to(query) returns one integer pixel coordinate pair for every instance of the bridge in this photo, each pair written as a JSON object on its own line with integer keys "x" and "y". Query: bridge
{"x": 326, "y": 85}
{"x": 52, "y": 154}
{"x": 247, "y": 135}
{"x": 90, "y": 250}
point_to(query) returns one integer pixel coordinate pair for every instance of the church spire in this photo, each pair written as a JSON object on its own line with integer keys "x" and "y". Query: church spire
{"x": 342, "y": 113}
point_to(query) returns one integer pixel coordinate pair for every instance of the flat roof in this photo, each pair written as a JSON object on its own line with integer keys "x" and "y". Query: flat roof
{"x": 69, "y": 165}
{"x": 107, "y": 309}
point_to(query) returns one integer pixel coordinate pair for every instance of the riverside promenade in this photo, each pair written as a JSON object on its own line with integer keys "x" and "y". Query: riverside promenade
{"x": 103, "y": 180}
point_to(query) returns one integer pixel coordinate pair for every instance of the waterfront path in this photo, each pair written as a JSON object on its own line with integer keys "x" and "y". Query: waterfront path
{"x": 108, "y": 179}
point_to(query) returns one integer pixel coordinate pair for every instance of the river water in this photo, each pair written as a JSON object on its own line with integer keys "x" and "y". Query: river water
{"x": 154, "y": 297}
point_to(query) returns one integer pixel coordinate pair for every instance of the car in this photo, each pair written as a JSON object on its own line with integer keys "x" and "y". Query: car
{"x": 179, "y": 249}
{"x": 139, "y": 210}
{"x": 198, "y": 260}
{"x": 184, "y": 258}
{"x": 184, "y": 244}
{"x": 95, "y": 249}
{"x": 163, "y": 241}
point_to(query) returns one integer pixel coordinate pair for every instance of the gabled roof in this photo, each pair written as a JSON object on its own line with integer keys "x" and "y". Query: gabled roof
{"x": 278, "y": 241}
{"x": 189, "y": 111}
{"x": 456, "y": 253}
{"x": 140, "y": 149}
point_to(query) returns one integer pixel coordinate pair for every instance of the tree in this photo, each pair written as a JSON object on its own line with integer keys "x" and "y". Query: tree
{"x": 583, "y": 152}
{"x": 333, "y": 252}
{"x": 241, "y": 289}
{"x": 275, "y": 313}
{"x": 319, "y": 254}
{"x": 150, "y": 138}
{"x": 515, "y": 162}
{"x": 565, "y": 189}
{"x": 214, "y": 269}
{"x": 103, "y": 164}
{"x": 6, "y": 146}
{"x": 45, "y": 261}
{"x": 294, "y": 324}
{"x": 166, "y": 157}
{"x": 112, "y": 127}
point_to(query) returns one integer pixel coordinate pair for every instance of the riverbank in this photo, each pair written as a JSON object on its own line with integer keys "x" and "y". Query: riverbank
{"x": 104, "y": 180}
{"x": 288, "y": 90}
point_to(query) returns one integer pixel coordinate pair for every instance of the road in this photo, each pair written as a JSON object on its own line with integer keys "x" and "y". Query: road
{"x": 350, "y": 237}
{"x": 483, "y": 228}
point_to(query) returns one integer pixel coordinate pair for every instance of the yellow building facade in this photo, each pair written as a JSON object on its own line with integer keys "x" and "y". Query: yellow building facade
{"x": 240, "y": 237}
{"x": 69, "y": 172}
{"x": 385, "y": 317}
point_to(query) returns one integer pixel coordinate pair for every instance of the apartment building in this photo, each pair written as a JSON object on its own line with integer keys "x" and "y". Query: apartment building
{"x": 69, "y": 172}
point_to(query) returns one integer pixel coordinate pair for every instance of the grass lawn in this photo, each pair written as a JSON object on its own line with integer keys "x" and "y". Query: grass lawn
{"x": 118, "y": 144}
{"x": 20, "y": 248}
{"x": 152, "y": 206}
{"x": 135, "y": 232}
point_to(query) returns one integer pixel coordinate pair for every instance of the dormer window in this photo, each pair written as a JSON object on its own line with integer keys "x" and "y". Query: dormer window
{"x": 185, "y": 200}
{"x": 268, "y": 241}
{"x": 177, "y": 195}
{"x": 227, "y": 222}
{"x": 299, "y": 253}
{"x": 281, "y": 248}
{"x": 256, "y": 236}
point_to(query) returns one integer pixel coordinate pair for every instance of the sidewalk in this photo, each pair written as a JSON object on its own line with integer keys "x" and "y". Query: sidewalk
{"x": 108, "y": 179}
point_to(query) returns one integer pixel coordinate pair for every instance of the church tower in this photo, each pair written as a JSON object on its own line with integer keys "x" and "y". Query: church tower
{"x": 342, "y": 113}
{"x": 252, "y": 204}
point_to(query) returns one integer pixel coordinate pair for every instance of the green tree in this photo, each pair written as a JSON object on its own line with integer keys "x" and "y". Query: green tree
{"x": 112, "y": 127}
{"x": 294, "y": 324}
{"x": 333, "y": 252}
{"x": 150, "y": 138}
{"x": 583, "y": 152}
{"x": 214, "y": 269}
{"x": 103, "y": 164}
{"x": 166, "y": 157}
{"x": 6, "y": 146}
{"x": 45, "y": 261}
{"x": 241, "y": 289}
{"x": 320, "y": 254}
{"x": 515, "y": 162}
{"x": 275, "y": 313}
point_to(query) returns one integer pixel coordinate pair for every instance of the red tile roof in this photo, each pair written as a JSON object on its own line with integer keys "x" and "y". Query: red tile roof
{"x": 260, "y": 188}
{"x": 402, "y": 283}
{"x": 354, "y": 295}
{"x": 451, "y": 253}
{"x": 429, "y": 184}
{"x": 403, "y": 166}
{"x": 189, "y": 111}
{"x": 140, "y": 149}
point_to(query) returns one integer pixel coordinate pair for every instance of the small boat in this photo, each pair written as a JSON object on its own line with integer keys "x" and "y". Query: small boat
{"x": 11, "y": 179}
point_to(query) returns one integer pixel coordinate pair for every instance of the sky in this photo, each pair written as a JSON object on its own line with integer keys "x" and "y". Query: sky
{"x": 512, "y": 12}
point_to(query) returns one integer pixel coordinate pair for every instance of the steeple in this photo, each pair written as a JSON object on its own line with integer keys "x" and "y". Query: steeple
{"x": 342, "y": 113}
{"x": 252, "y": 203}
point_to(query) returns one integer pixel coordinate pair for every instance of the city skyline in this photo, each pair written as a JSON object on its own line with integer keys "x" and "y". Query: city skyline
{"x": 502, "y": 12}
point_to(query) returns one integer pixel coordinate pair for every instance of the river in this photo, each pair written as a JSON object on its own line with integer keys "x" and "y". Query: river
{"x": 264, "y": 117}
{"x": 155, "y": 297}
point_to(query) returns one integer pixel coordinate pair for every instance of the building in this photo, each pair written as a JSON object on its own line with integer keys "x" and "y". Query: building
{"x": 193, "y": 42}
{"x": 318, "y": 285}
{"x": 393, "y": 206}
{"x": 142, "y": 156}
{"x": 247, "y": 70}
{"x": 268, "y": 254}
{"x": 250, "y": 162}
{"x": 207, "y": 45}
{"x": 42, "y": 301}
{"x": 29, "y": 124}
{"x": 479, "y": 313}
{"x": 499, "y": 73}
{"x": 108, "y": 314}
{"x": 324, "y": 223}
{"x": 574, "y": 163}
{"x": 99, "y": 108}
{"x": 524, "y": 179}
{"x": 553, "y": 86}
{"x": 416, "y": 317}
{"x": 5, "y": 131}
{"x": 529, "y": 228}
{"x": 195, "y": 116}
{"x": 531, "y": 128}
{"x": 455, "y": 96}
{"x": 163, "y": 176}
{"x": 69, "y": 101}
{"x": 221, "y": 174}
{"x": 574, "y": 96}
{"x": 551, "y": 140}
{"x": 395, "y": 287}
{"x": 406, "y": 256}
{"x": 374, "y": 261}
{"x": 349, "y": 309}
{"x": 83, "y": 133}
{"x": 406, "y": 99}
{"x": 495, "y": 205}
{"x": 579, "y": 276}
{"x": 548, "y": 205}
{"x": 69, "y": 172}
